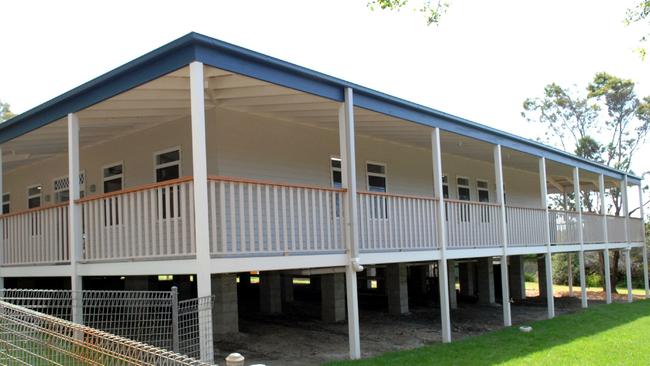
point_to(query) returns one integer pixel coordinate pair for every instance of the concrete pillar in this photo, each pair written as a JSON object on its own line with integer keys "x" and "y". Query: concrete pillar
{"x": 270, "y": 292}
{"x": 136, "y": 283}
{"x": 541, "y": 276}
{"x": 516, "y": 278}
{"x": 287, "y": 289}
{"x": 225, "y": 313}
{"x": 397, "y": 289}
{"x": 467, "y": 274}
{"x": 333, "y": 297}
{"x": 451, "y": 278}
{"x": 485, "y": 281}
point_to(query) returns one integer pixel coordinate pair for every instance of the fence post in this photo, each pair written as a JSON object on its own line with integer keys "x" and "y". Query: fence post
{"x": 175, "y": 336}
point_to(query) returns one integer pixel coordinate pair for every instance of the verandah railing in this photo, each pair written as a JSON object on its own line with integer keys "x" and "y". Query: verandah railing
{"x": 151, "y": 221}
{"x": 36, "y": 236}
{"x": 257, "y": 217}
{"x": 252, "y": 217}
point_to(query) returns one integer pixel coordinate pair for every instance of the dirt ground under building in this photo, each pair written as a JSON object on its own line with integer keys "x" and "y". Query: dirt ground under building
{"x": 297, "y": 337}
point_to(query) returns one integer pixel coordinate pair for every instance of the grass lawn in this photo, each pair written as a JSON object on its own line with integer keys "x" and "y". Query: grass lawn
{"x": 576, "y": 289}
{"x": 615, "y": 334}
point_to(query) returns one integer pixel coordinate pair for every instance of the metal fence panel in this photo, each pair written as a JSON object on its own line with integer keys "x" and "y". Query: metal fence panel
{"x": 28, "y": 337}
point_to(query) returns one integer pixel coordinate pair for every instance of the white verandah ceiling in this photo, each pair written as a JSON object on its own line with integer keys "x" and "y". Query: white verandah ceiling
{"x": 168, "y": 98}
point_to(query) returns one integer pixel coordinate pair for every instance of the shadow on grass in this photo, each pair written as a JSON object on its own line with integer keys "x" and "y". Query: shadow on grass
{"x": 510, "y": 343}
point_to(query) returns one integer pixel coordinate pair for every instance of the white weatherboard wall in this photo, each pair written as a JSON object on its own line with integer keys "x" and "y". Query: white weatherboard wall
{"x": 249, "y": 146}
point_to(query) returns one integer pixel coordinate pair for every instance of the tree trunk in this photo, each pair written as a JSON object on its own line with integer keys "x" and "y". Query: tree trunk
{"x": 601, "y": 260}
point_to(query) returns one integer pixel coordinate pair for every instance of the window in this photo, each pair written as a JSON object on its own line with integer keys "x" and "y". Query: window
{"x": 483, "y": 190}
{"x": 463, "y": 188}
{"x": 445, "y": 187}
{"x": 62, "y": 188}
{"x": 34, "y": 196}
{"x": 335, "y": 169}
{"x": 377, "y": 183}
{"x": 112, "y": 176}
{"x": 112, "y": 181}
{"x": 376, "y": 177}
{"x": 463, "y": 195}
{"x": 167, "y": 167}
{"x": 6, "y": 203}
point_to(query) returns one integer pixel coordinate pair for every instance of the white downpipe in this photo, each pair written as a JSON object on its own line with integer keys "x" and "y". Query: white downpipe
{"x": 505, "y": 290}
{"x": 74, "y": 217}
{"x": 350, "y": 229}
{"x": 550, "y": 300}
{"x": 628, "y": 265}
{"x": 581, "y": 254}
{"x": 442, "y": 237}
{"x": 603, "y": 212}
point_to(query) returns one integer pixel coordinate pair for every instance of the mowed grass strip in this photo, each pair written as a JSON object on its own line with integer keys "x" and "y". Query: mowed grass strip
{"x": 615, "y": 334}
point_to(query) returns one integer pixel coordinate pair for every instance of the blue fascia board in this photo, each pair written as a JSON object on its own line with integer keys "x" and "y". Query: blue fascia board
{"x": 242, "y": 61}
{"x": 163, "y": 60}
{"x": 229, "y": 57}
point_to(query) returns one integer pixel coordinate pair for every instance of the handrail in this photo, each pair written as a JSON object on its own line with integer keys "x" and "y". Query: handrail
{"x": 592, "y": 214}
{"x": 472, "y": 202}
{"x": 218, "y": 178}
{"x": 33, "y": 210}
{"x": 526, "y": 208}
{"x": 408, "y": 196}
{"x": 144, "y": 187}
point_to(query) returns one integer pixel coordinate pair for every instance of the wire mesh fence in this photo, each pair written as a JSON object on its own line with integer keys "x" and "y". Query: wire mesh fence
{"x": 190, "y": 314}
{"x": 28, "y": 337}
{"x": 152, "y": 317}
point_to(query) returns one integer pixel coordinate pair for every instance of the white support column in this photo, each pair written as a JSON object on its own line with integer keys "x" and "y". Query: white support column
{"x": 441, "y": 236}
{"x": 603, "y": 212}
{"x": 349, "y": 182}
{"x": 550, "y": 300}
{"x": 505, "y": 290}
{"x": 581, "y": 254}
{"x": 625, "y": 208}
{"x": 565, "y": 207}
{"x": 74, "y": 217}
{"x": 201, "y": 222}
{"x": 645, "y": 247}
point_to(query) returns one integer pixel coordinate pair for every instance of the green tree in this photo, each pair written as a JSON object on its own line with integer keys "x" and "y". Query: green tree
{"x": 607, "y": 124}
{"x": 432, "y": 10}
{"x": 5, "y": 111}
{"x": 639, "y": 14}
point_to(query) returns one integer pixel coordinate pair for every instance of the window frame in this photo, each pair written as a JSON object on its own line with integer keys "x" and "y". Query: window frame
{"x": 40, "y": 195}
{"x": 121, "y": 176}
{"x": 479, "y": 189}
{"x": 82, "y": 186}
{"x": 445, "y": 184}
{"x": 468, "y": 186}
{"x": 369, "y": 174}
{"x": 7, "y": 203}
{"x": 157, "y": 166}
{"x": 333, "y": 169}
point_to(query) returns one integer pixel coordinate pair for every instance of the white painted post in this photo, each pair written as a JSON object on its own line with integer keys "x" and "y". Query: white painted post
{"x": 603, "y": 212}
{"x": 565, "y": 207}
{"x": 201, "y": 221}
{"x": 505, "y": 290}
{"x": 645, "y": 247}
{"x": 626, "y": 211}
{"x": 350, "y": 229}
{"x": 74, "y": 217}
{"x": 441, "y": 236}
{"x": 550, "y": 300}
{"x": 581, "y": 254}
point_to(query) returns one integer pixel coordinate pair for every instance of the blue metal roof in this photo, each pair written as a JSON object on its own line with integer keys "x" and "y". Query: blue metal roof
{"x": 212, "y": 52}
